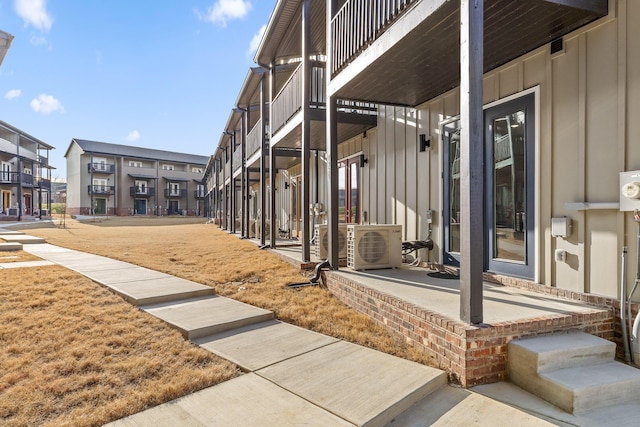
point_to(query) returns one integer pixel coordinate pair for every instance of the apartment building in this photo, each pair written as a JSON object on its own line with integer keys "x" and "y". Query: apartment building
{"x": 113, "y": 179}
{"x": 502, "y": 131}
{"x": 25, "y": 175}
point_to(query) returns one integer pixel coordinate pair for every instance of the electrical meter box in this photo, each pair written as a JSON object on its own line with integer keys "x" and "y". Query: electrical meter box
{"x": 630, "y": 191}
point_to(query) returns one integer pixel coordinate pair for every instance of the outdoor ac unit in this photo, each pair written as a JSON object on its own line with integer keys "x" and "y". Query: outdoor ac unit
{"x": 322, "y": 241}
{"x": 259, "y": 229}
{"x": 13, "y": 212}
{"x": 374, "y": 246}
{"x": 253, "y": 227}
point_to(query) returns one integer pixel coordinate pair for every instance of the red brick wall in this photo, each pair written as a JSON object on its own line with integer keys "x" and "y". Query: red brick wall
{"x": 471, "y": 355}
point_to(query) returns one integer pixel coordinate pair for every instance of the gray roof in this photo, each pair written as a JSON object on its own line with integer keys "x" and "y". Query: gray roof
{"x": 137, "y": 152}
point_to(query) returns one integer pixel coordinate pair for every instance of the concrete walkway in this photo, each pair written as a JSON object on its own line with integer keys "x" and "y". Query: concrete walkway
{"x": 295, "y": 376}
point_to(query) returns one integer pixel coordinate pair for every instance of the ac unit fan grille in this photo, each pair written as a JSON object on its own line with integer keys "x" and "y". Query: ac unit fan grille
{"x": 342, "y": 241}
{"x": 372, "y": 247}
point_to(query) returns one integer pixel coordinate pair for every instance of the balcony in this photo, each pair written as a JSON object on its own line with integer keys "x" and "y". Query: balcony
{"x": 43, "y": 160}
{"x": 358, "y": 23}
{"x": 199, "y": 194}
{"x": 44, "y": 183}
{"x": 100, "y": 190}
{"x": 175, "y": 194}
{"x": 8, "y": 177}
{"x": 237, "y": 158}
{"x": 289, "y": 100}
{"x": 138, "y": 191}
{"x": 254, "y": 139}
{"x": 101, "y": 168}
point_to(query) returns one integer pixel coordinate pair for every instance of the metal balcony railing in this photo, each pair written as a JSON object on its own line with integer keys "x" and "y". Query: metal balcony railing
{"x": 170, "y": 193}
{"x": 199, "y": 194}
{"x": 139, "y": 191}
{"x": 253, "y": 139}
{"x": 288, "y": 101}
{"x": 102, "y": 190}
{"x": 101, "y": 168}
{"x": 8, "y": 177}
{"x": 237, "y": 158}
{"x": 44, "y": 183}
{"x": 357, "y": 24}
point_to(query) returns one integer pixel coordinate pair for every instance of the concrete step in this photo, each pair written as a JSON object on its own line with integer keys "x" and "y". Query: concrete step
{"x": 363, "y": 386}
{"x": 207, "y": 316}
{"x": 574, "y": 371}
{"x": 584, "y": 388}
{"x": 14, "y": 246}
{"x": 22, "y": 238}
{"x": 551, "y": 352}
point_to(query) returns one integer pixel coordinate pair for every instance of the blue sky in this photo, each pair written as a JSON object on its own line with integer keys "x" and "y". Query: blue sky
{"x": 152, "y": 73}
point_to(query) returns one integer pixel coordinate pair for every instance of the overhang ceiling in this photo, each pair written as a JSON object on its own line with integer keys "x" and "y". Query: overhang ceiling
{"x": 425, "y": 62}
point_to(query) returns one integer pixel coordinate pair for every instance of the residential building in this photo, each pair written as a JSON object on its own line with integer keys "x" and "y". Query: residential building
{"x": 5, "y": 44}
{"x": 504, "y": 132}
{"x": 25, "y": 175}
{"x": 113, "y": 179}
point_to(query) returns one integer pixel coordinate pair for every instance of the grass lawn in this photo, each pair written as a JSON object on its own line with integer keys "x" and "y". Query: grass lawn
{"x": 188, "y": 248}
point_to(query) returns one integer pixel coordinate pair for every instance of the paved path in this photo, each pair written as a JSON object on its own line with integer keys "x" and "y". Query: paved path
{"x": 294, "y": 376}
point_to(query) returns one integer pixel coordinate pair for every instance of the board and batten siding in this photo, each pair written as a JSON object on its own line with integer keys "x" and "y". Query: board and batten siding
{"x": 588, "y": 130}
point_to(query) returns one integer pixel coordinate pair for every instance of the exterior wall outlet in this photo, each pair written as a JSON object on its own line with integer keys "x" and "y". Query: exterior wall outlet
{"x": 561, "y": 255}
{"x": 429, "y": 216}
{"x": 561, "y": 227}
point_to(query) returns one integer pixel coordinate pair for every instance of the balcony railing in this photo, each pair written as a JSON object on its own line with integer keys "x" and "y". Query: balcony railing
{"x": 44, "y": 161}
{"x": 8, "y": 177}
{"x": 199, "y": 194}
{"x": 254, "y": 139}
{"x": 139, "y": 191}
{"x": 44, "y": 183}
{"x": 237, "y": 158}
{"x": 101, "y": 168}
{"x": 227, "y": 170}
{"x": 170, "y": 193}
{"x": 288, "y": 101}
{"x": 100, "y": 190}
{"x": 357, "y": 24}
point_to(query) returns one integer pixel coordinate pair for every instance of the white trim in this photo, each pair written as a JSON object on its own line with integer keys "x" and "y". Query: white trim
{"x": 537, "y": 171}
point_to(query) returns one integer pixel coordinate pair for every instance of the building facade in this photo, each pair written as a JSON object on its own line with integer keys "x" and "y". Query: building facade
{"x": 25, "y": 175}
{"x": 113, "y": 179}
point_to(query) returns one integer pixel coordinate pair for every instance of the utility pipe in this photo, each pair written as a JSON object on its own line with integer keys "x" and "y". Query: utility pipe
{"x": 623, "y": 304}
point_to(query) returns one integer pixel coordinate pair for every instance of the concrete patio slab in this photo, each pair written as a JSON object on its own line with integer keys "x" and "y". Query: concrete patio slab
{"x": 26, "y": 264}
{"x": 257, "y": 346}
{"x": 4, "y": 232}
{"x": 207, "y": 316}
{"x": 22, "y": 238}
{"x": 10, "y": 247}
{"x": 451, "y": 406}
{"x": 244, "y": 401}
{"x": 363, "y": 386}
{"x": 155, "y": 291}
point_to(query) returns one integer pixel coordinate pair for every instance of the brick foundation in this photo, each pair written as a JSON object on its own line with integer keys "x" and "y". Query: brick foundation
{"x": 472, "y": 355}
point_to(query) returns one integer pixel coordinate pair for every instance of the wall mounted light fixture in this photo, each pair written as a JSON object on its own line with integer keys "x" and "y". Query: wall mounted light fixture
{"x": 425, "y": 142}
{"x": 363, "y": 160}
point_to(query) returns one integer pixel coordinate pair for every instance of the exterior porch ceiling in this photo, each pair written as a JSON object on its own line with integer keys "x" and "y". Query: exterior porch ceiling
{"x": 348, "y": 127}
{"x": 425, "y": 62}
{"x": 282, "y": 38}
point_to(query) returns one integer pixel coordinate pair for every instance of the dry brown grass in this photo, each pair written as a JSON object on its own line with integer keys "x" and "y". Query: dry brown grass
{"x": 77, "y": 369}
{"x": 73, "y": 353}
{"x": 234, "y": 268}
{"x": 16, "y": 256}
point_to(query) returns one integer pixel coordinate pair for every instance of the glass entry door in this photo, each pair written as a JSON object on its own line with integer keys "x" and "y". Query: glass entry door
{"x": 349, "y": 190}
{"x": 509, "y": 144}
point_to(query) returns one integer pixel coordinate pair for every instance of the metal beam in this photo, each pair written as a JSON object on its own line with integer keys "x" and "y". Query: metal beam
{"x": 288, "y": 152}
{"x": 332, "y": 150}
{"x": 263, "y": 160}
{"x": 306, "y": 130}
{"x": 272, "y": 165}
{"x": 471, "y": 161}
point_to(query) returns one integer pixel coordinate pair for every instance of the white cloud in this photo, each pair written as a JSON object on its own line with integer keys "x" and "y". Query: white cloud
{"x": 133, "y": 136}
{"x": 255, "y": 41}
{"x": 34, "y": 12}
{"x": 13, "y": 93}
{"x": 46, "y": 104}
{"x": 224, "y": 10}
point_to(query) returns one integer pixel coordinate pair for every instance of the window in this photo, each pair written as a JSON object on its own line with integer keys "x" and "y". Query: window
{"x": 200, "y": 190}
{"x": 166, "y": 167}
{"x": 135, "y": 164}
{"x": 141, "y": 187}
{"x": 100, "y": 185}
{"x": 27, "y": 171}
{"x": 174, "y": 189}
{"x": 196, "y": 170}
{"x": 5, "y": 172}
{"x": 99, "y": 164}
